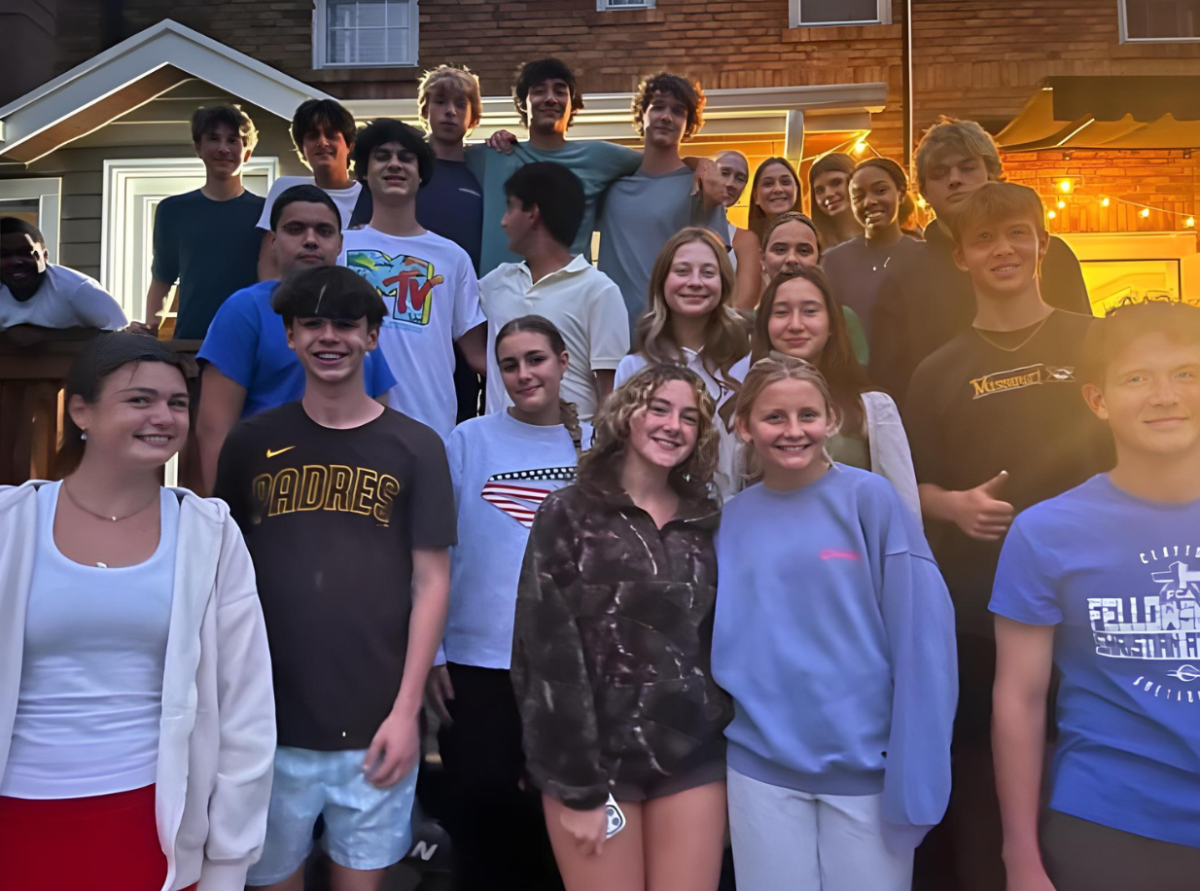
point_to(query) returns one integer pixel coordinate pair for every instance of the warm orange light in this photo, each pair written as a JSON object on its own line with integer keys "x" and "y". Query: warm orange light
{"x": 1190, "y": 222}
{"x": 1105, "y": 202}
{"x": 1145, "y": 212}
{"x": 860, "y": 147}
{"x": 1061, "y": 205}
{"x": 922, "y": 203}
{"x": 1052, "y": 215}
{"x": 1066, "y": 185}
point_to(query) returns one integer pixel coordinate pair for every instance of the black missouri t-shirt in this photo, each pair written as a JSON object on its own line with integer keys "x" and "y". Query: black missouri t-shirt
{"x": 331, "y": 518}
{"x": 975, "y": 409}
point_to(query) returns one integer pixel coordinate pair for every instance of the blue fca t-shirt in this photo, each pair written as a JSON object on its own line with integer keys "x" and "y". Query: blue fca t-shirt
{"x": 248, "y": 344}
{"x": 1121, "y": 578}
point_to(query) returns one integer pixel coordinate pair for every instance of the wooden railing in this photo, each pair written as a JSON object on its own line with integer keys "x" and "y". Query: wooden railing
{"x": 33, "y": 369}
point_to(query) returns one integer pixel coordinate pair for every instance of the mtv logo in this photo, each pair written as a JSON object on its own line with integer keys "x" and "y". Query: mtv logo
{"x": 405, "y": 283}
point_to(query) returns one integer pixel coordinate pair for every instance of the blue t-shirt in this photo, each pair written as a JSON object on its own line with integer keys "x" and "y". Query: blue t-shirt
{"x": 1120, "y": 577}
{"x": 209, "y": 247}
{"x": 451, "y": 205}
{"x": 248, "y": 344}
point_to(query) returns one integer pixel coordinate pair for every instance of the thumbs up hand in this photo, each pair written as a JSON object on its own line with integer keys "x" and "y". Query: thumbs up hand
{"x": 981, "y": 514}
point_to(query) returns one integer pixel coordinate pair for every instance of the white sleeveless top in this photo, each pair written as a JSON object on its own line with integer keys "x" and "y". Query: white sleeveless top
{"x": 87, "y": 720}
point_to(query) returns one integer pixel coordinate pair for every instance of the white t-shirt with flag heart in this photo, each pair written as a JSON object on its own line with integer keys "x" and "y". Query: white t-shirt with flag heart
{"x": 432, "y": 298}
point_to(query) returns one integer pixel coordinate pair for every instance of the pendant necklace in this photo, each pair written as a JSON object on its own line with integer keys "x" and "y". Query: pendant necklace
{"x": 113, "y": 519}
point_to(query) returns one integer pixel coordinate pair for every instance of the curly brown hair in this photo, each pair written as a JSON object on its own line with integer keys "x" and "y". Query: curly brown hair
{"x": 600, "y": 466}
{"x": 684, "y": 89}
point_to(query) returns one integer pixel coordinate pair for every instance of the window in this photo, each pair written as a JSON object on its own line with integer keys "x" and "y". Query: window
{"x": 364, "y": 33}
{"x": 810, "y": 13}
{"x": 1160, "y": 21}
{"x": 602, "y": 5}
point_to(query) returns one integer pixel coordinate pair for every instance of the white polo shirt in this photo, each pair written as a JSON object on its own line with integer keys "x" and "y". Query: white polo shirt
{"x": 584, "y": 305}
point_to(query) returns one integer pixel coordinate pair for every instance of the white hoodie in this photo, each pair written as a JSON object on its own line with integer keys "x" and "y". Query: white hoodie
{"x": 217, "y": 734}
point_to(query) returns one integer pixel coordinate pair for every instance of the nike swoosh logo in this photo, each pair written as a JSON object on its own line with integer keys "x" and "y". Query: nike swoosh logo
{"x": 271, "y": 453}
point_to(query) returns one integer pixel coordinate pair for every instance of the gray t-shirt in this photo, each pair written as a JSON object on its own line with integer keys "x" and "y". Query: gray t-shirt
{"x": 641, "y": 212}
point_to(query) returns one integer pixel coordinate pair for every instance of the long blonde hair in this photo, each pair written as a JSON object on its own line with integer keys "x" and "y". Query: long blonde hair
{"x": 600, "y": 466}
{"x": 774, "y": 368}
{"x": 725, "y": 336}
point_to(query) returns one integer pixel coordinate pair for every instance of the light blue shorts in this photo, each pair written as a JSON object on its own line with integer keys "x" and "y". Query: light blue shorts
{"x": 365, "y": 827}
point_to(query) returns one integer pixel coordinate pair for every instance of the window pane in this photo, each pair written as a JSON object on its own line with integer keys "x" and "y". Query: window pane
{"x": 341, "y": 47}
{"x": 819, "y": 12}
{"x": 372, "y": 13}
{"x": 370, "y": 46}
{"x": 341, "y": 14}
{"x": 1162, "y": 18}
{"x": 397, "y": 45}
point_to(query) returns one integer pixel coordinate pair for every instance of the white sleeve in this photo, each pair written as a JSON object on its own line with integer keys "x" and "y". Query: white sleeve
{"x": 467, "y": 312}
{"x": 96, "y": 308}
{"x": 629, "y": 366}
{"x": 608, "y": 327}
{"x": 237, "y": 807}
{"x": 264, "y": 221}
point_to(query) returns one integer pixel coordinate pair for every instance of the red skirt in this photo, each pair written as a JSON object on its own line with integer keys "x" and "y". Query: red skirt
{"x": 103, "y": 843}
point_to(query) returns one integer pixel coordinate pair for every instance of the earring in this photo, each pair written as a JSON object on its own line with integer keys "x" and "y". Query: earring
{"x": 83, "y": 434}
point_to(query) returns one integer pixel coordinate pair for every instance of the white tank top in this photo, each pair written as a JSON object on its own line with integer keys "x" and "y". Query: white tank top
{"x": 90, "y": 700}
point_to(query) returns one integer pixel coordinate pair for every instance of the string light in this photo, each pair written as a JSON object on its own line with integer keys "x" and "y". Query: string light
{"x": 1062, "y": 205}
{"x": 1105, "y": 202}
{"x": 1145, "y": 212}
{"x": 1052, "y": 215}
{"x": 1190, "y": 222}
{"x": 1066, "y": 185}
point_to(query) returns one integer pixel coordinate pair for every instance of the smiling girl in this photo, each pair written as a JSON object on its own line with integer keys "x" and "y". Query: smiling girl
{"x": 836, "y": 643}
{"x": 610, "y": 659}
{"x": 800, "y": 317}
{"x": 857, "y": 268}
{"x": 136, "y": 743}
{"x": 829, "y": 185}
{"x": 775, "y": 190}
{"x": 690, "y": 321}
{"x": 503, "y": 466}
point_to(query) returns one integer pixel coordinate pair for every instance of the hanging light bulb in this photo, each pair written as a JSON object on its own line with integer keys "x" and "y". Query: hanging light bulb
{"x": 1052, "y": 215}
{"x": 1105, "y": 202}
{"x": 1066, "y": 185}
{"x": 1145, "y": 212}
{"x": 1061, "y": 205}
{"x": 1190, "y": 222}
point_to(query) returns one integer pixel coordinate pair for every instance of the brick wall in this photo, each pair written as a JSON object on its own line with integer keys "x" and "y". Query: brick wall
{"x": 1166, "y": 181}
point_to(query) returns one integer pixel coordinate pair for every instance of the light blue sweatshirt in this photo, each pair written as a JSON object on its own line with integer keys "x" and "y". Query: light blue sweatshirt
{"x": 502, "y": 469}
{"x": 835, "y": 636}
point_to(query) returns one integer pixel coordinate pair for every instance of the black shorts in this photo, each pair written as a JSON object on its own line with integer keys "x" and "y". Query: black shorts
{"x": 712, "y": 771}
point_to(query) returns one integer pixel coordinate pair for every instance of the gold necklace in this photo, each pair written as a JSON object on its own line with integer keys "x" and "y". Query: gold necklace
{"x": 86, "y": 510}
{"x": 1006, "y": 349}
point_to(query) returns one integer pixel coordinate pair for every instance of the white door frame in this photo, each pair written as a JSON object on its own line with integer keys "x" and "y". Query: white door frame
{"x": 47, "y": 191}
{"x": 118, "y": 172}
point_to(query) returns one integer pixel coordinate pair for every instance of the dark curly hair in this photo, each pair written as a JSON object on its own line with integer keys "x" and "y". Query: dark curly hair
{"x": 682, "y": 88}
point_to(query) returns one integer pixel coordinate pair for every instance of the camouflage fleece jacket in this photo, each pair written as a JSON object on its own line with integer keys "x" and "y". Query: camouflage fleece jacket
{"x": 612, "y": 644}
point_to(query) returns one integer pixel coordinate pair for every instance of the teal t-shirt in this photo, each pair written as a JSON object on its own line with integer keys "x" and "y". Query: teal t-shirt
{"x": 597, "y": 164}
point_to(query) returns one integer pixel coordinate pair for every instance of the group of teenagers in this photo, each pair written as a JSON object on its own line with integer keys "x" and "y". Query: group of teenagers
{"x": 787, "y": 536}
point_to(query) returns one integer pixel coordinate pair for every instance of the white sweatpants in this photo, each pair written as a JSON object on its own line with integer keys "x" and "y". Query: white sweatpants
{"x": 785, "y": 840}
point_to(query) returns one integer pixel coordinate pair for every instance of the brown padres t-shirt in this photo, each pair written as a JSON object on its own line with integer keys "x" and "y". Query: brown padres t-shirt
{"x": 331, "y": 518}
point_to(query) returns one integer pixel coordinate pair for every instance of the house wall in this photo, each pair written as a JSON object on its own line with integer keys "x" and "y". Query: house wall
{"x": 81, "y": 164}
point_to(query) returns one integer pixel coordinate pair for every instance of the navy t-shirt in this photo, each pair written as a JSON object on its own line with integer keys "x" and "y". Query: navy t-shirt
{"x": 1120, "y": 578}
{"x": 210, "y": 248}
{"x": 451, "y": 205}
{"x": 248, "y": 344}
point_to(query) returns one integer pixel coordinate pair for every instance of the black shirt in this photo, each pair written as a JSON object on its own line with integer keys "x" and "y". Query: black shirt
{"x": 926, "y": 301}
{"x": 975, "y": 408}
{"x": 331, "y": 518}
{"x": 211, "y": 248}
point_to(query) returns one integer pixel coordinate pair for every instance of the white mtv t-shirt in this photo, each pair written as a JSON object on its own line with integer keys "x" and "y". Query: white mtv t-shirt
{"x": 345, "y": 199}
{"x": 432, "y": 297}
{"x": 64, "y": 299}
